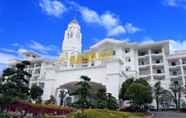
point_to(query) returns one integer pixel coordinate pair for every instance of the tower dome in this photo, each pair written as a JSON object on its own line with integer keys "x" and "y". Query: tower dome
{"x": 74, "y": 21}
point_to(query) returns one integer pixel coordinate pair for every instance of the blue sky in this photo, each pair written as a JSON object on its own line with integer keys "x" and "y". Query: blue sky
{"x": 39, "y": 25}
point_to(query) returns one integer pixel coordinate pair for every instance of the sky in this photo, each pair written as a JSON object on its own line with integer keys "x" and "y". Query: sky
{"x": 39, "y": 25}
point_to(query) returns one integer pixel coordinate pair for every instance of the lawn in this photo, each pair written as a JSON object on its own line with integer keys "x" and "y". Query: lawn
{"x": 98, "y": 113}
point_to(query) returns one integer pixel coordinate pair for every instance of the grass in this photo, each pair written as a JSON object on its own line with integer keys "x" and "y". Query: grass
{"x": 98, "y": 113}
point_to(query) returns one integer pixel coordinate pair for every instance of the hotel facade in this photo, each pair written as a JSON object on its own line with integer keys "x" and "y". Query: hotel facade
{"x": 109, "y": 62}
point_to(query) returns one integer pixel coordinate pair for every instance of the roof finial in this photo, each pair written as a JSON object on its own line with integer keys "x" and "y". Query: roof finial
{"x": 74, "y": 21}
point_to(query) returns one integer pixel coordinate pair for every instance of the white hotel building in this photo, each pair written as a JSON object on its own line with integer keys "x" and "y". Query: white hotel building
{"x": 152, "y": 62}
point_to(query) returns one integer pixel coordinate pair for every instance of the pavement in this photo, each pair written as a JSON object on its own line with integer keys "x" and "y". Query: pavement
{"x": 169, "y": 115}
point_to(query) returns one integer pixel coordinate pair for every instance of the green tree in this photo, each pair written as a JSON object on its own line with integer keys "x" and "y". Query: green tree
{"x": 15, "y": 81}
{"x": 111, "y": 102}
{"x": 83, "y": 91}
{"x": 5, "y": 101}
{"x": 165, "y": 99}
{"x": 176, "y": 89}
{"x": 101, "y": 97}
{"x": 157, "y": 93}
{"x": 124, "y": 87}
{"x": 14, "y": 84}
{"x": 143, "y": 82}
{"x": 36, "y": 92}
{"x": 139, "y": 95}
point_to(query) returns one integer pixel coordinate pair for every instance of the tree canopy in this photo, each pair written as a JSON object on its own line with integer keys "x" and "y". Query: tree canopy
{"x": 36, "y": 92}
{"x": 138, "y": 92}
{"x": 125, "y": 85}
{"x": 15, "y": 83}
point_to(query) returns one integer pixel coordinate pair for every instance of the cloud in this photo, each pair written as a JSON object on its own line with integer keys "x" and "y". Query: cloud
{"x": 131, "y": 28}
{"x": 2, "y": 67}
{"x": 45, "y": 51}
{"x": 8, "y": 50}
{"x": 116, "y": 31}
{"x": 44, "y": 56}
{"x": 52, "y": 7}
{"x": 176, "y": 45}
{"x": 175, "y": 3}
{"x": 5, "y": 58}
{"x": 108, "y": 20}
{"x": 34, "y": 45}
{"x": 89, "y": 16}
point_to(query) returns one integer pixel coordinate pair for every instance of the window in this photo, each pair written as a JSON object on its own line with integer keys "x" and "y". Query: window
{"x": 128, "y": 59}
{"x": 158, "y": 61}
{"x": 127, "y": 50}
{"x": 37, "y": 71}
{"x": 71, "y": 34}
{"x": 113, "y": 52}
{"x": 159, "y": 71}
{"x": 173, "y": 63}
{"x": 142, "y": 63}
{"x": 174, "y": 73}
{"x": 42, "y": 85}
{"x": 92, "y": 64}
{"x": 127, "y": 68}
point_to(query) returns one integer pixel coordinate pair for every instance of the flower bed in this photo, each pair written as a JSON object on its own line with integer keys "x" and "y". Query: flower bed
{"x": 38, "y": 108}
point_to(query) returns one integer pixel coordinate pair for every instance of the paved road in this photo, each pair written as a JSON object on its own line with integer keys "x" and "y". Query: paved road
{"x": 169, "y": 115}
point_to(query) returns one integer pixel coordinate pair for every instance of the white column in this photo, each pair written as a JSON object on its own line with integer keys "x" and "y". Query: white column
{"x": 150, "y": 62}
{"x": 182, "y": 72}
{"x": 166, "y": 69}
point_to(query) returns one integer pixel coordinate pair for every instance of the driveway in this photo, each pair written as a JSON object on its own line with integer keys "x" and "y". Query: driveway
{"x": 169, "y": 115}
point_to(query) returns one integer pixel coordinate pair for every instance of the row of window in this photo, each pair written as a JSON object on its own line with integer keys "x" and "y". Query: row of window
{"x": 127, "y": 50}
{"x": 174, "y": 63}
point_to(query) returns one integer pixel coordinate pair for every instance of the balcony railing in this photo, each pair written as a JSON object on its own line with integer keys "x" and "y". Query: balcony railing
{"x": 147, "y": 72}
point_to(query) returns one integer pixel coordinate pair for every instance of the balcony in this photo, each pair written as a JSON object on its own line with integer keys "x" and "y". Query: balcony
{"x": 145, "y": 77}
{"x": 157, "y": 60}
{"x": 175, "y": 73}
{"x": 159, "y": 77}
{"x": 179, "y": 79}
{"x": 143, "y": 67}
{"x": 144, "y": 71}
{"x": 184, "y": 61}
{"x": 143, "y": 52}
{"x": 158, "y": 70}
{"x": 143, "y": 61}
{"x": 156, "y": 52}
{"x": 173, "y": 63}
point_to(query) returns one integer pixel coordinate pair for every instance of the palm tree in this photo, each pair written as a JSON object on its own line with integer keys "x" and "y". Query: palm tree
{"x": 166, "y": 98}
{"x": 176, "y": 89}
{"x": 157, "y": 92}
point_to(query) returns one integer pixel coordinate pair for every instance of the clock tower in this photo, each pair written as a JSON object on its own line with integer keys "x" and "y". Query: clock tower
{"x": 72, "y": 39}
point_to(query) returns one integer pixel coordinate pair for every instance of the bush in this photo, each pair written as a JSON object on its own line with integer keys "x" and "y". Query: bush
{"x": 39, "y": 108}
{"x": 80, "y": 115}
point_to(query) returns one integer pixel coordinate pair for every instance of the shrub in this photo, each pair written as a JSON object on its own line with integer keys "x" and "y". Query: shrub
{"x": 80, "y": 115}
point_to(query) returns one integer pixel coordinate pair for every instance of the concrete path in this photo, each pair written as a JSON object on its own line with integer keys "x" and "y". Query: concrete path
{"x": 169, "y": 115}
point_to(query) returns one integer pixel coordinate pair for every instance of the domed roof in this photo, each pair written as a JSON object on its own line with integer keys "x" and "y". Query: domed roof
{"x": 74, "y": 21}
